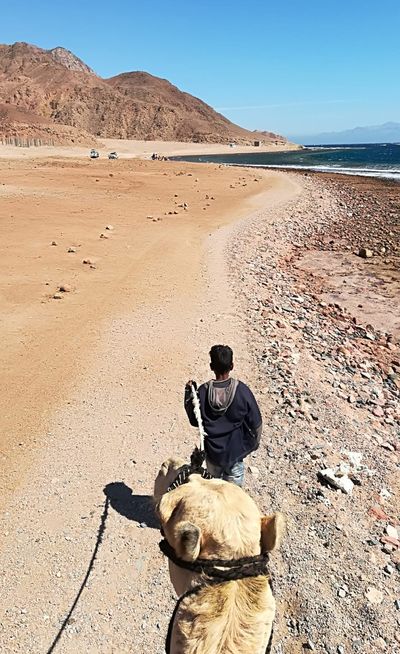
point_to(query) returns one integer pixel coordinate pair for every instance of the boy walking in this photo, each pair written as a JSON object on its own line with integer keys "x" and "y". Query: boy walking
{"x": 231, "y": 418}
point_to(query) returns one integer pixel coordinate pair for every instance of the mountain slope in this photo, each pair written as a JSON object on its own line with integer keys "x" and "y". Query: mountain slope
{"x": 23, "y": 127}
{"x": 386, "y": 133}
{"x": 57, "y": 85}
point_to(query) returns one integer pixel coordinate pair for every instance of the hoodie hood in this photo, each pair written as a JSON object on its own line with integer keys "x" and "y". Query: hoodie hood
{"x": 221, "y": 394}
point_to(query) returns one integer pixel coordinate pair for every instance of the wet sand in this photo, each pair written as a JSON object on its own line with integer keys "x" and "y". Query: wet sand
{"x": 366, "y": 215}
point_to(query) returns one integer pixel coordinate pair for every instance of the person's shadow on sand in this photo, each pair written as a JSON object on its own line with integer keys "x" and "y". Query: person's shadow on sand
{"x": 139, "y": 508}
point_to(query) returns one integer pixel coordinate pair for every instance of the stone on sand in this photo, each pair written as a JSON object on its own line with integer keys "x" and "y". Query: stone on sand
{"x": 65, "y": 288}
{"x": 365, "y": 253}
{"x": 374, "y": 596}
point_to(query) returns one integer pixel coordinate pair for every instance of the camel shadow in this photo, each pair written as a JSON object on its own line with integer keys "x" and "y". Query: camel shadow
{"x": 139, "y": 508}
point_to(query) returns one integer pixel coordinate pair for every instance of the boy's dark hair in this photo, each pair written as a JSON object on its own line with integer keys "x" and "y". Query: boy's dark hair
{"x": 221, "y": 359}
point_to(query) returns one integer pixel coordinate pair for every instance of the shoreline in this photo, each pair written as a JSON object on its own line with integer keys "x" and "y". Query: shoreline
{"x": 390, "y": 177}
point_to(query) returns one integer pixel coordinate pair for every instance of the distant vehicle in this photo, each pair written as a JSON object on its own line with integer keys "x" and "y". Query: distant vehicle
{"x": 94, "y": 154}
{"x": 113, "y": 155}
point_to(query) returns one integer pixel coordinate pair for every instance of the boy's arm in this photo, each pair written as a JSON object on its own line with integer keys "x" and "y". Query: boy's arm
{"x": 253, "y": 418}
{"x": 189, "y": 406}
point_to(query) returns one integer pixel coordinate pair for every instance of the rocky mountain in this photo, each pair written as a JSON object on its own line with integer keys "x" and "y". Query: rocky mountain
{"x": 386, "y": 133}
{"x": 67, "y": 59}
{"x": 58, "y": 86}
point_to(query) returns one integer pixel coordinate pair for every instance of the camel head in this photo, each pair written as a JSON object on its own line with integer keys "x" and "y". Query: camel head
{"x": 167, "y": 474}
{"x": 211, "y": 518}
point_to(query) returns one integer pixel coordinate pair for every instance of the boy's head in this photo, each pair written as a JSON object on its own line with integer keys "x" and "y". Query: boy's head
{"x": 221, "y": 359}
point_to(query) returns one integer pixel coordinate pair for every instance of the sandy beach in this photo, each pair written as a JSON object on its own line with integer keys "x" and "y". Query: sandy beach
{"x": 128, "y": 149}
{"x": 158, "y": 260}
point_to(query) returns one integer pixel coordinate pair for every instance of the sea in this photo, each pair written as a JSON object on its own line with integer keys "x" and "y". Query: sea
{"x": 370, "y": 160}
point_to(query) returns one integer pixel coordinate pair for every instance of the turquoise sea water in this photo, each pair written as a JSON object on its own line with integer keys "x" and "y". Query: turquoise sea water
{"x": 373, "y": 160}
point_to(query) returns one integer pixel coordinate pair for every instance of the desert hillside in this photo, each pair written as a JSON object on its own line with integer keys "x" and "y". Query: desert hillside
{"x": 57, "y": 86}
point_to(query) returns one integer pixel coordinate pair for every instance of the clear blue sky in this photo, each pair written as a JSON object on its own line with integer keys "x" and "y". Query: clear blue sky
{"x": 292, "y": 66}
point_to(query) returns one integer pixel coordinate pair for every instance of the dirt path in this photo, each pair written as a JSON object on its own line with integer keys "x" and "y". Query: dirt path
{"x": 118, "y": 417}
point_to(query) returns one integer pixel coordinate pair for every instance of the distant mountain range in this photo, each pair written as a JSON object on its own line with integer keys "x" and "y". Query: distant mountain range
{"x": 52, "y": 94}
{"x": 386, "y": 133}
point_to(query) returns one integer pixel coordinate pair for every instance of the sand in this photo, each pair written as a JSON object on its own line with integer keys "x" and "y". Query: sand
{"x": 127, "y": 149}
{"x": 150, "y": 253}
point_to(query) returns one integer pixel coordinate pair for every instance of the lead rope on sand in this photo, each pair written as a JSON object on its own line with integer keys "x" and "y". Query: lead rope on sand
{"x": 100, "y": 535}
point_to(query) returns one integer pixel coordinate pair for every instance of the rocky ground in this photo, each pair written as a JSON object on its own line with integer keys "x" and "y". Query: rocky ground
{"x": 329, "y": 389}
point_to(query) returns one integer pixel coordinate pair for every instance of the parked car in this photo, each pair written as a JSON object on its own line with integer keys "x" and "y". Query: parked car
{"x": 113, "y": 155}
{"x": 94, "y": 154}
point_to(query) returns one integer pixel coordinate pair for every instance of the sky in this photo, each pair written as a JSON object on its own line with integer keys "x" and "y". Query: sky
{"x": 295, "y": 67}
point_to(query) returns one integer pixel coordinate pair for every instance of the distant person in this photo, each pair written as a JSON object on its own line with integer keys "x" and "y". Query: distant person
{"x": 231, "y": 418}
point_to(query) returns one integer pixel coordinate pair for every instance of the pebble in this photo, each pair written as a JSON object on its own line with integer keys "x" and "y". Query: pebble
{"x": 65, "y": 288}
{"x": 388, "y": 569}
{"x": 109, "y": 227}
{"x": 71, "y": 249}
{"x": 391, "y": 531}
{"x": 365, "y": 253}
{"x": 381, "y": 643}
{"x": 374, "y": 596}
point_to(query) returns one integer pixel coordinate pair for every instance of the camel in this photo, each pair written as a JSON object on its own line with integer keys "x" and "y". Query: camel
{"x": 214, "y": 519}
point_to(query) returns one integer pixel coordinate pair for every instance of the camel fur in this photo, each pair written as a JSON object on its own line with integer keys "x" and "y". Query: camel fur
{"x": 215, "y": 519}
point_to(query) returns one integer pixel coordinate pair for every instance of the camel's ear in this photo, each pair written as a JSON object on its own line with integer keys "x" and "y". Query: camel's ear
{"x": 272, "y": 531}
{"x": 187, "y": 538}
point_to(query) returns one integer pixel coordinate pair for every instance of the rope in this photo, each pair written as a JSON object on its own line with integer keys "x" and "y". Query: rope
{"x": 197, "y": 413}
{"x": 100, "y": 535}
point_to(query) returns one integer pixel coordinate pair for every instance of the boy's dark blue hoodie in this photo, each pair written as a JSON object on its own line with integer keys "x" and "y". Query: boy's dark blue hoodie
{"x": 231, "y": 419}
